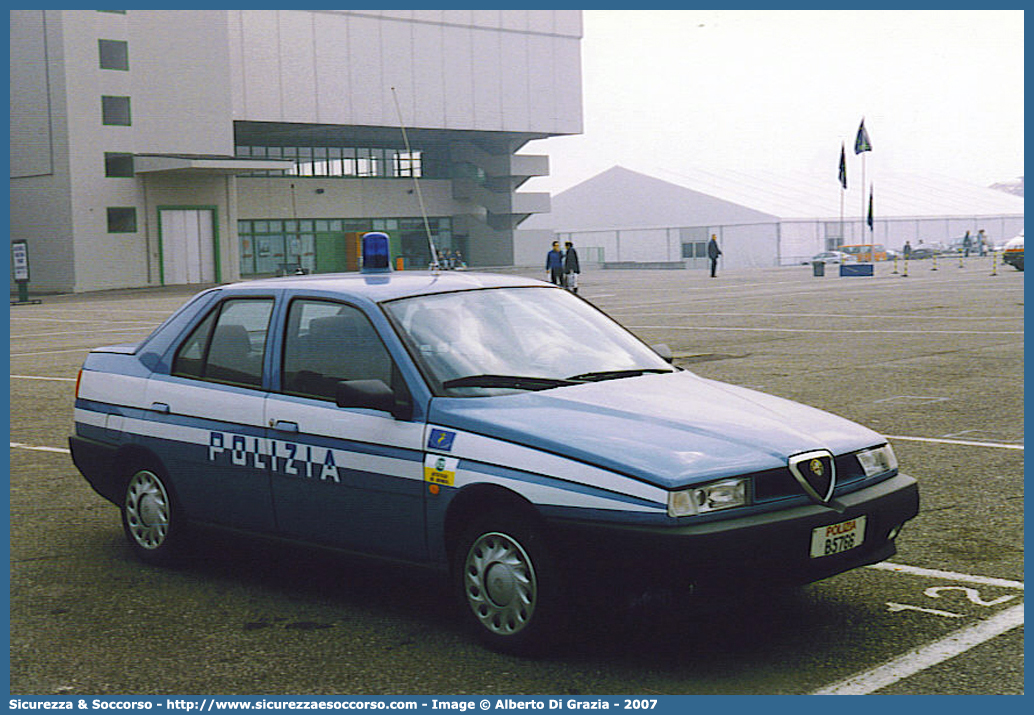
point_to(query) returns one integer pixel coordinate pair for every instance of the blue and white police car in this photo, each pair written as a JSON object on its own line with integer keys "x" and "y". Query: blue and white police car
{"x": 499, "y": 428}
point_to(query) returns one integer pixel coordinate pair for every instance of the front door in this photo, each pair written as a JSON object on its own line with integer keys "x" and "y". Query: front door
{"x": 188, "y": 246}
{"x": 347, "y": 477}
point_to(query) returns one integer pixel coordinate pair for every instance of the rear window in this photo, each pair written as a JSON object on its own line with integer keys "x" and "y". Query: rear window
{"x": 229, "y": 345}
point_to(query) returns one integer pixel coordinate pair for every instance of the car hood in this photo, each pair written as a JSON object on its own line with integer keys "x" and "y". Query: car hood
{"x": 670, "y": 430}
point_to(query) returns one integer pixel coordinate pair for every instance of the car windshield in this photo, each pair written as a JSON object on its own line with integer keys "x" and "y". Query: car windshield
{"x": 493, "y": 341}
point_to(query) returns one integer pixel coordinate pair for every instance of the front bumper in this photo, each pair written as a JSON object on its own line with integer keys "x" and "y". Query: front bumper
{"x": 772, "y": 547}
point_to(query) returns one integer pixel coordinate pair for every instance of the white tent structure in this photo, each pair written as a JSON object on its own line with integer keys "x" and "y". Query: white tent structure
{"x": 623, "y": 216}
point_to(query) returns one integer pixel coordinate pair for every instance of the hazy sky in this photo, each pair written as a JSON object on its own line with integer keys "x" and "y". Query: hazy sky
{"x": 941, "y": 93}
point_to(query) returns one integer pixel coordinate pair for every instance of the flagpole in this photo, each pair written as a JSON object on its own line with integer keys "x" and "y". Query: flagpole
{"x": 842, "y": 180}
{"x": 842, "y": 192}
{"x": 863, "y": 196}
{"x": 861, "y": 146}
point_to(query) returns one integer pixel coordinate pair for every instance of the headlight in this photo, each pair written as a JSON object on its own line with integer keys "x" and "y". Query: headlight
{"x": 878, "y": 460}
{"x": 715, "y": 496}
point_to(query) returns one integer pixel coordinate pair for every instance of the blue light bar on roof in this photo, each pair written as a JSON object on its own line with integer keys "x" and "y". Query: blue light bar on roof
{"x": 376, "y": 252}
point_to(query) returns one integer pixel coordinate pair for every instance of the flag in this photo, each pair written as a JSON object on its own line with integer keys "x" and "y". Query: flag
{"x": 843, "y": 166}
{"x": 861, "y": 142}
{"x": 869, "y": 219}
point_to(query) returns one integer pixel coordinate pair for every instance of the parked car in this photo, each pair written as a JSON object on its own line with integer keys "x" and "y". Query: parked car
{"x": 1012, "y": 252}
{"x": 865, "y": 252}
{"x": 926, "y": 250}
{"x": 497, "y": 428}
{"x": 827, "y": 257}
{"x": 958, "y": 245}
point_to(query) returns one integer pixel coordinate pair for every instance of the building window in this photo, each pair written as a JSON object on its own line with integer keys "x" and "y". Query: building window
{"x": 272, "y": 245}
{"x": 118, "y": 165}
{"x": 365, "y": 162}
{"x": 697, "y": 249}
{"x": 115, "y": 111}
{"x": 121, "y": 219}
{"x": 114, "y": 54}
{"x": 406, "y": 163}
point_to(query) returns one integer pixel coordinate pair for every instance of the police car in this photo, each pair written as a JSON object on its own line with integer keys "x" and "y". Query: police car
{"x": 498, "y": 428}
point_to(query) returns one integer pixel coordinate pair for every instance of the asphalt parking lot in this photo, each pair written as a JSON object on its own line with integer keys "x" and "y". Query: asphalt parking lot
{"x": 934, "y": 360}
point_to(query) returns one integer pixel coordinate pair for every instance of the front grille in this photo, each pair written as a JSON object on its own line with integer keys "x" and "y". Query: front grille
{"x": 779, "y": 483}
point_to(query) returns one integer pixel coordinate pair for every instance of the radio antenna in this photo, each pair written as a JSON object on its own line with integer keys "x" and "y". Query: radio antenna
{"x": 416, "y": 184}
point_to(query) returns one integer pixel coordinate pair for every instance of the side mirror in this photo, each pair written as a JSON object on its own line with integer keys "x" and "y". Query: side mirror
{"x": 372, "y": 395}
{"x": 664, "y": 351}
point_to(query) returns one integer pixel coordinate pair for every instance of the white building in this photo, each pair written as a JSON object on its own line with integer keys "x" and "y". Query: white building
{"x": 623, "y": 216}
{"x": 153, "y": 147}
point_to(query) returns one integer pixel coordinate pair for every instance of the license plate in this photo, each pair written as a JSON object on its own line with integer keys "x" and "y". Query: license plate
{"x": 837, "y": 538}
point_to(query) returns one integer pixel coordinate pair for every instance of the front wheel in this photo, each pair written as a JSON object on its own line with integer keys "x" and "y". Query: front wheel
{"x": 508, "y": 584}
{"x": 150, "y": 518}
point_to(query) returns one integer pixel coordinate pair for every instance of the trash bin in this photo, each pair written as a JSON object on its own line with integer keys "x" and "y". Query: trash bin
{"x": 818, "y": 269}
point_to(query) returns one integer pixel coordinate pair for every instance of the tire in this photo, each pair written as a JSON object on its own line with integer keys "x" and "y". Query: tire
{"x": 151, "y": 519}
{"x": 1019, "y": 265}
{"x": 508, "y": 587}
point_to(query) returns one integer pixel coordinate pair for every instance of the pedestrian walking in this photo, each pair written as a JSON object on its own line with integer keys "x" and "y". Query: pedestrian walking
{"x": 967, "y": 243}
{"x": 982, "y": 242}
{"x": 713, "y": 252}
{"x": 571, "y": 267}
{"x": 555, "y": 264}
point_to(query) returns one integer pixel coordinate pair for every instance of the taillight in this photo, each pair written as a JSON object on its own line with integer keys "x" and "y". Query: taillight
{"x": 78, "y": 379}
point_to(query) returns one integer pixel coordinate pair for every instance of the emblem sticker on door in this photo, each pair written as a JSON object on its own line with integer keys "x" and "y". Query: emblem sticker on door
{"x": 440, "y": 470}
{"x": 441, "y": 439}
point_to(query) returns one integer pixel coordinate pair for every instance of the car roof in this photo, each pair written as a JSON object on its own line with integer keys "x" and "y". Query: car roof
{"x": 380, "y": 287}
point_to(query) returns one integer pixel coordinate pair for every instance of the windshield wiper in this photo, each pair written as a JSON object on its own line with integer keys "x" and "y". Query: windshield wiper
{"x": 514, "y": 382}
{"x": 616, "y": 374}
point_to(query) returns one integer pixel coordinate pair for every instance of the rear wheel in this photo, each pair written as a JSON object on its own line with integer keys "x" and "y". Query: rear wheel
{"x": 150, "y": 517}
{"x": 509, "y": 588}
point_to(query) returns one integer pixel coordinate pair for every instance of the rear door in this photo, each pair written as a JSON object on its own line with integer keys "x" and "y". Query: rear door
{"x": 205, "y": 419}
{"x": 347, "y": 477}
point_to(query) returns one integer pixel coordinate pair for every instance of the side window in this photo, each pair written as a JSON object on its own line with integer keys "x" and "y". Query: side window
{"x": 326, "y": 343}
{"x": 229, "y": 345}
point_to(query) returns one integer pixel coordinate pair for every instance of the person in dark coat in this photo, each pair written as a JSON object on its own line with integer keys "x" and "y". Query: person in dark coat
{"x": 555, "y": 264}
{"x": 967, "y": 243}
{"x": 713, "y": 252}
{"x": 571, "y": 267}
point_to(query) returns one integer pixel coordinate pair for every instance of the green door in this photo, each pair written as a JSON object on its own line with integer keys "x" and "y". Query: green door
{"x": 331, "y": 252}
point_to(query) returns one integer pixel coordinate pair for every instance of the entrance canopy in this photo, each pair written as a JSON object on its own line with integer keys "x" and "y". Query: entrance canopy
{"x": 205, "y": 164}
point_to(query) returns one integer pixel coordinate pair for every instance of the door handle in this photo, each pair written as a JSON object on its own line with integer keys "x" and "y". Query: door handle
{"x": 160, "y": 407}
{"x": 284, "y": 425}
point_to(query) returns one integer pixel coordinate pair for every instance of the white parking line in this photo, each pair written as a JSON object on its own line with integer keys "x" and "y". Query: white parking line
{"x": 23, "y": 319}
{"x": 137, "y": 329}
{"x": 825, "y": 330}
{"x": 946, "y": 575}
{"x": 963, "y": 442}
{"x": 919, "y": 659}
{"x": 52, "y": 352}
{"x": 40, "y": 377}
{"x": 58, "y": 450}
{"x": 922, "y": 657}
{"x": 835, "y": 316}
